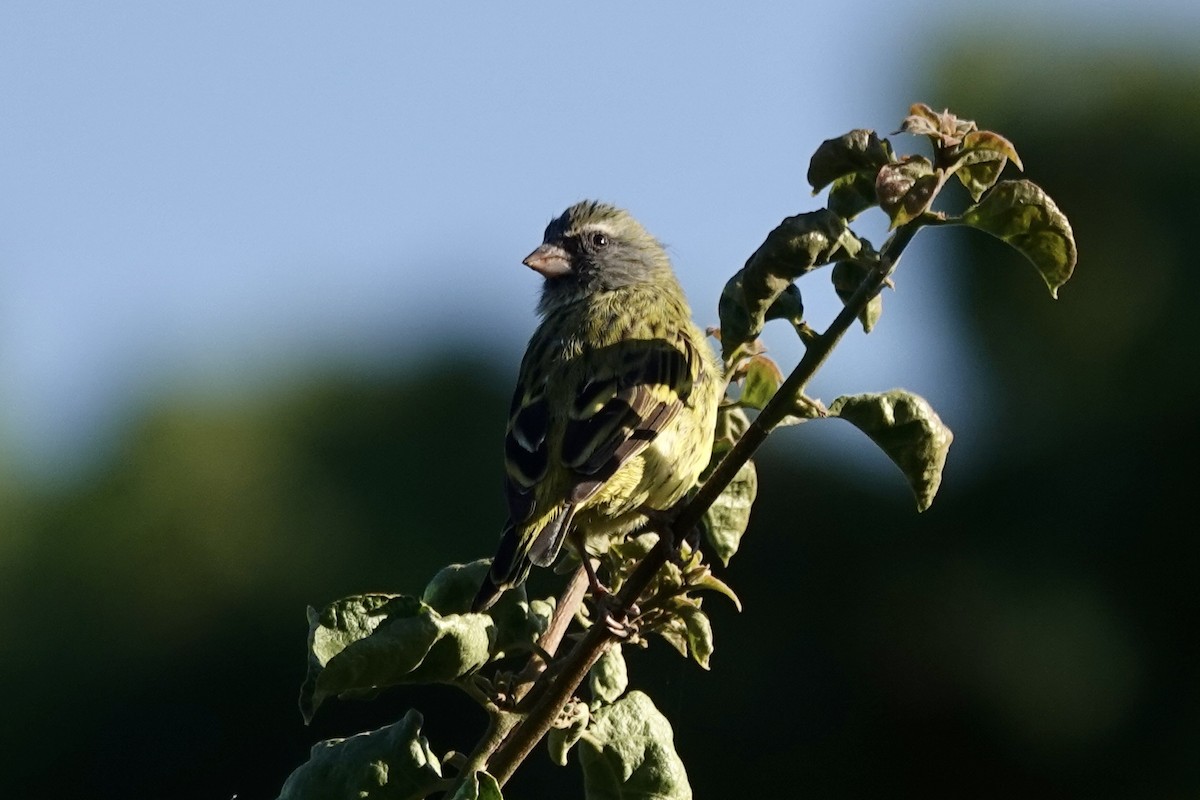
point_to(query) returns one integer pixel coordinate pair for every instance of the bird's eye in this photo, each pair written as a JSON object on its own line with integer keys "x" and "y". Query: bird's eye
{"x": 599, "y": 239}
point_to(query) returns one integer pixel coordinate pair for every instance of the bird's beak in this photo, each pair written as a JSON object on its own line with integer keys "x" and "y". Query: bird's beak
{"x": 550, "y": 260}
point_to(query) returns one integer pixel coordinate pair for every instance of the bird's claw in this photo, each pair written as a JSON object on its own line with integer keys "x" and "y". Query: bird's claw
{"x": 662, "y": 521}
{"x": 618, "y": 619}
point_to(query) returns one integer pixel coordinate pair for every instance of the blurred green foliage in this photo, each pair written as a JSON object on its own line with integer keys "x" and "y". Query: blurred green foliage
{"x": 156, "y": 609}
{"x": 1108, "y": 133}
{"x": 1031, "y": 634}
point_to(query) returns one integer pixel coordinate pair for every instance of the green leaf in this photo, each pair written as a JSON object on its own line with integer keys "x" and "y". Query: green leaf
{"x": 763, "y": 378}
{"x": 732, "y": 422}
{"x": 979, "y": 176}
{"x": 635, "y": 548}
{"x": 669, "y": 579}
{"x": 725, "y": 522}
{"x": 623, "y": 557}
{"x": 712, "y": 583}
{"x": 850, "y": 195}
{"x": 945, "y": 130}
{"x": 453, "y": 587}
{"x": 980, "y": 160}
{"x": 847, "y": 276}
{"x": 921, "y": 121}
{"x": 1022, "y": 215}
{"x": 628, "y": 753}
{"x": 906, "y": 428}
{"x": 857, "y": 153}
{"x": 609, "y": 677}
{"x": 480, "y": 786}
{"x": 906, "y": 188}
{"x": 368, "y": 642}
{"x": 674, "y": 632}
{"x": 519, "y": 621}
{"x": 736, "y": 322}
{"x": 789, "y": 305}
{"x": 392, "y": 763}
{"x": 988, "y": 146}
{"x": 568, "y": 729}
{"x": 797, "y": 245}
{"x": 699, "y": 634}
{"x": 803, "y": 409}
{"x": 848, "y": 165}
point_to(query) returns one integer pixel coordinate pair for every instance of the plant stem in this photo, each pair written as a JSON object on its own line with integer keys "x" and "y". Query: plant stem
{"x": 780, "y": 404}
{"x": 547, "y": 645}
{"x": 501, "y": 723}
{"x": 550, "y": 694}
{"x": 551, "y": 697}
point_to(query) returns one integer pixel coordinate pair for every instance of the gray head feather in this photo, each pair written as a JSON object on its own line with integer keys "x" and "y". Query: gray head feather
{"x": 608, "y": 249}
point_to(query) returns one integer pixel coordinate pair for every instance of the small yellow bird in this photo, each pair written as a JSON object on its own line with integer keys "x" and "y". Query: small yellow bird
{"x": 616, "y": 400}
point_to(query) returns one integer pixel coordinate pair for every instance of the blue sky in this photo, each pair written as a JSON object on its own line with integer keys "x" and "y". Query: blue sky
{"x": 203, "y": 196}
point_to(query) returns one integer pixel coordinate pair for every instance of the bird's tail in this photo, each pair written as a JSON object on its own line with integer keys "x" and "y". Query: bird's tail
{"x": 510, "y": 566}
{"x": 517, "y": 553}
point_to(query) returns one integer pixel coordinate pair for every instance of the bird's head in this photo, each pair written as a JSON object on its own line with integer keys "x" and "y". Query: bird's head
{"x": 594, "y": 247}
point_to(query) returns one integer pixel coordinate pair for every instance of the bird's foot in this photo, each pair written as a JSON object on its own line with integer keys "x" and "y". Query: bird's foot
{"x": 662, "y": 522}
{"x": 617, "y": 618}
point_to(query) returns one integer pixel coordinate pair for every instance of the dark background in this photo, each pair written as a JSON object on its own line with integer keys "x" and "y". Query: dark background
{"x": 1033, "y": 634}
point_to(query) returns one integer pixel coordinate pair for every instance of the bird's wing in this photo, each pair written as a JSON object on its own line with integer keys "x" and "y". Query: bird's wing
{"x": 619, "y": 405}
{"x": 618, "y": 413}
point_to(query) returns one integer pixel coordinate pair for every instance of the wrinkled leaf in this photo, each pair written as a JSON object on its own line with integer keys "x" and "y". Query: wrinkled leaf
{"x": 906, "y": 188}
{"x": 567, "y": 730}
{"x": 369, "y": 642}
{"x": 732, "y": 422}
{"x": 803, "y": 409}
{"x": 699, "y": 634}
{"x": 736, "y": 320}
{"x": 979, "y": 176}
{"x": 725, "y": 522}
{"x": 519, "y": 621}
{"x": 1022, "y": 215}
{"x": 848, "y": 165}
{"x": 453, "y": 587}
{"x": 763, "y": 378}
{"x": 921, "y": 121}
{"x": 988, "y": 146}
{"x": 981, "y": 159}
{"x": 712, "y": 583}
{"x": 847, "y": 276}
{"x": 623, "y": 558}
{"x": 609, "y": 677}
{"x": 674, "y": 633}
{"x": 906, "y": 428}
{"x": 796, "y": 246}
{"x": 392, "y": 763}
{"x": 480, "y": 786}
{"x": 859, "y": 152}
{"x": 635, "y": 548}
{"x": 850, "y": 195}
{"x": 945, "y": 130}
{"x": 669, "y": 578}
{"x": 628, "y": 753}
{"x": 789, "y": 306}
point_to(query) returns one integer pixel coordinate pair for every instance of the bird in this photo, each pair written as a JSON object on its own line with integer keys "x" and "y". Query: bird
{"x": 615, "y": 404}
